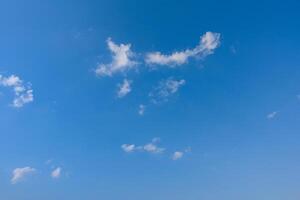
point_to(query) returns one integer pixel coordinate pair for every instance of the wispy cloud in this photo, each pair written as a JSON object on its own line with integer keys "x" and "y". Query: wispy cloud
{"x": 208, "y": 43}
{"x": 23, "y": 94}
{"x": 151, "y": 147}
{"x": 56, "y": 172}
{"x": 19, "y": 174}
{"x": 272, "y": 115}
{"x": 121, "y": 59}
{"x": 165, "y": 89}
{"x": 124, "y": 88}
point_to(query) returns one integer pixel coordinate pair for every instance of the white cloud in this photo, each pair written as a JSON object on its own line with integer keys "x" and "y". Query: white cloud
{"x": 165, "y": 89}
{"x": 23, "y": 94}
{"x": 19, "y": 173}
{"x": 151, "y": 147}
{"x": 176, "y": 58}
{"x": 272, "y": 115}
{"x": 208, "y": 43}
{"x": 124, "y": 88}
{"x": 154, "y": 148}
{"x": 11, "y": 81}
{"x": 177, "y": 155}
{"x": 121, "y": 59}
{"x": 23, "y": 98}
{"x": 56, "y": 172}
{"x": 128, "y": 147}
{"x": 141, "y": 109}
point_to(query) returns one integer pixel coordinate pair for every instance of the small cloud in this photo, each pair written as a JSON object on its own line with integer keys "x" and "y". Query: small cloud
{"x": 19, "y": 174}
{"x": 177, "y": 155}
{"x": 208, "y": 43}
{"x": 124, "y": 88}
{"x": 151, "y": 147}
{"x": 128, "y": 147}
{"x": 23, "y": 94}
{"x": 121, "y": 59}
{"x": 56, "y": 172}
{"x": 298, "y": 96}
{"x": 272, "y": 115}
{"x": 141, "y": 109}
{"x": 165, "y": 89}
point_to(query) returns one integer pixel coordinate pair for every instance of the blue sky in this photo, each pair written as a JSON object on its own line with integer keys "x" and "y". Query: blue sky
{"x": 149, "y": 100}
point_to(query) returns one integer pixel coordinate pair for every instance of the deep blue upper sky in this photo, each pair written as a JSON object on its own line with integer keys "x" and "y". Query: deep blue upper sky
{"x": 235, "y": 117}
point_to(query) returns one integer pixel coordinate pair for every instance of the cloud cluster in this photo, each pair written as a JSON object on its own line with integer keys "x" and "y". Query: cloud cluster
{"x": 23, "y": 94}
{"x": 151, "y": 147}
{"x": 19, "y": 174}
{"x": 208, "y": 43}
{"x": 121, "y": 59}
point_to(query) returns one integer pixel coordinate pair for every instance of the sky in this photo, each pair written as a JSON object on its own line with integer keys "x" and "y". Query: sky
{"x": 151, "y": 100}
